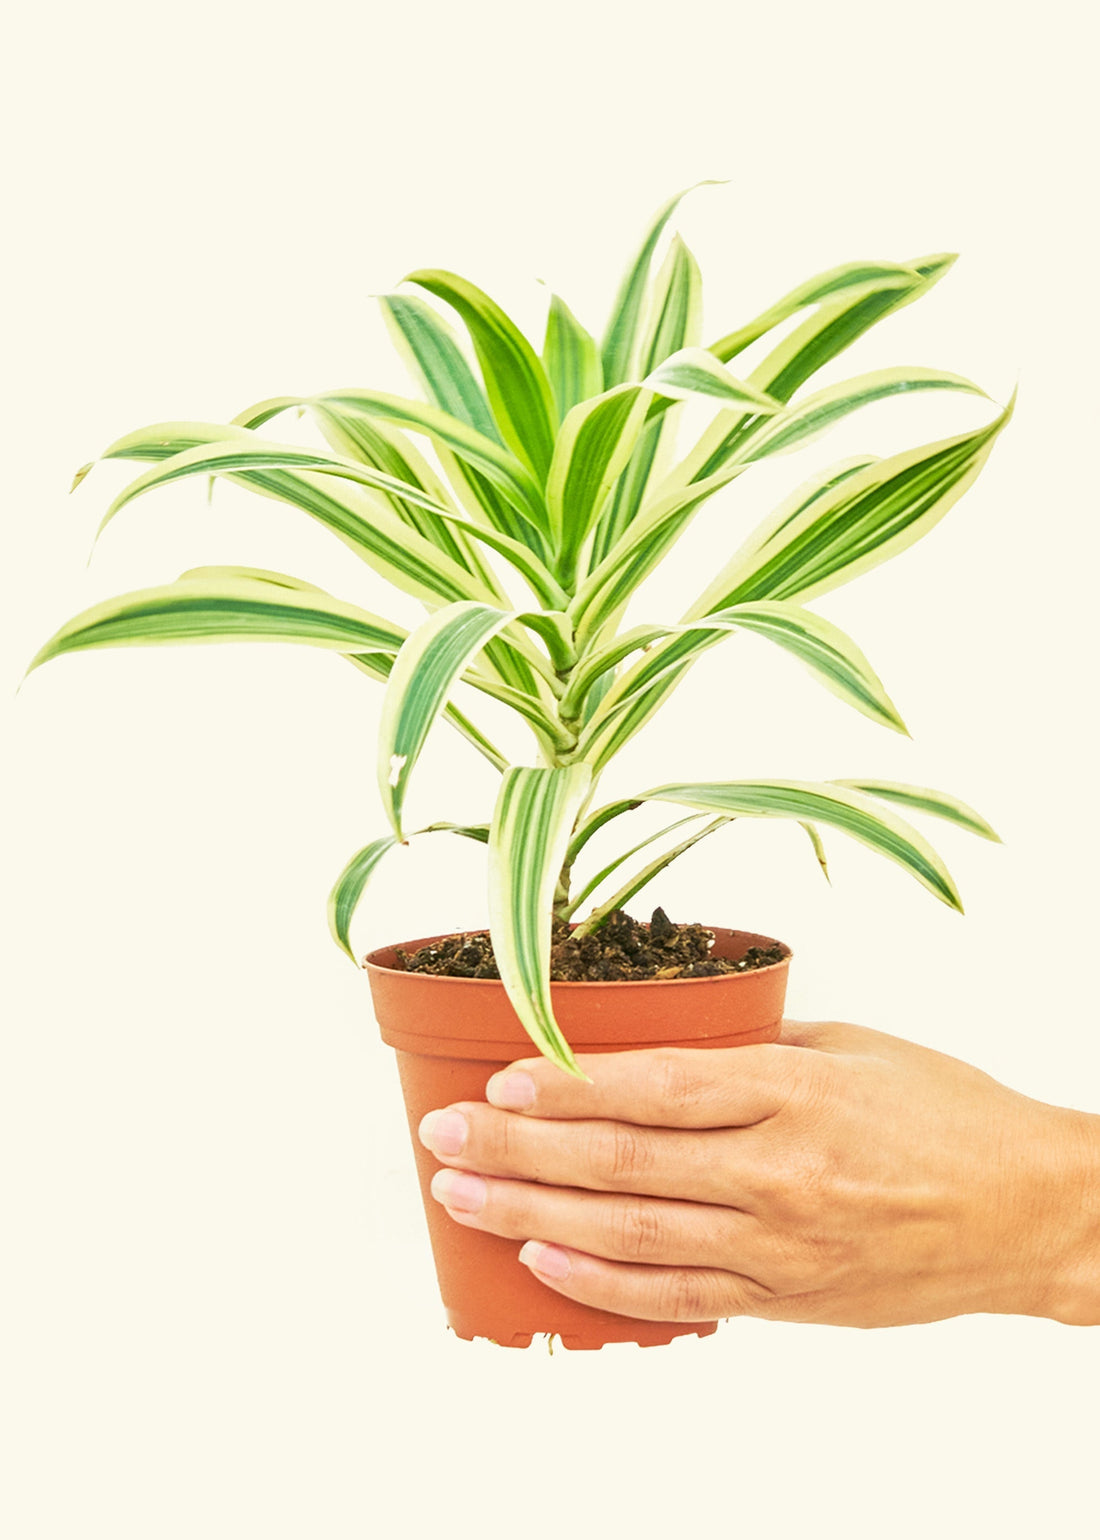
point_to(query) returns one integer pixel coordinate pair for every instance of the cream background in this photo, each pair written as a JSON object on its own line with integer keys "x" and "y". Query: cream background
{"x": 219, "y": 1313}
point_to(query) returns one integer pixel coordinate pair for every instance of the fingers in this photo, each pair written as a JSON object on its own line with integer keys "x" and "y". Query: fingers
{"x": 623, "y": 1229}
{"x": 647, "y": 1293}
{"x": 598, "y": 1155}
{"x": 657, "y": 1087}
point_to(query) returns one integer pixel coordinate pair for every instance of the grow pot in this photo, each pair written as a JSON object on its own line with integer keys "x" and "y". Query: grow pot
{"x": 451, "y": 1034}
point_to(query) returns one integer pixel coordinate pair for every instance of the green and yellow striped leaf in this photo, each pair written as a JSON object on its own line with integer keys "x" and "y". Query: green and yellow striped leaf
{"x": 571, "y": 358}
{"x": 593, "y": 446}
{"x": 360, "y": 518}
{"x": 639, "y": 551}
{"x": 386, "y": 448}
{"x": 613, "y": 865}
{"x": 161, "y": 440}
{"x": 675, "y": 317}
{"x": 850, "y": 282}
{"x": 826, "y": 334}
{"x": 430, "y": 662}
{"x": 694, "y": 372}
{"x": 376, "y": 665}
{"x": 519, "y": 392}
{"x": 818, "y": 849}
{"x": 641, "y": 879}
{"x": 223, "y": 609}
{"x": 816, "y": 342}
{"x": 431, "y": 351}
{"x": 828, "y": 652}
{"x": 622, "y": 337}
{"x": 531, "y": 827}
{"x": 349, "y": 886}
{"x": 805, "y": 420}
{"x": 821, "y": 802}
{"x": 675, "y": 322}
{"x": 921, "y": 799}
{"x": 859, "y": 523}
{"x": 485, "y": 455}
{"x": 246, "y": 452}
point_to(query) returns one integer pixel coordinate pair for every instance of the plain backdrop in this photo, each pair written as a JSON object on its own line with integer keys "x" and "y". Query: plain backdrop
{"x": 219, "y": 1312}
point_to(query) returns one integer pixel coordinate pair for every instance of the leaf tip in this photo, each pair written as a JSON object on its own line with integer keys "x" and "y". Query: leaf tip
{"x": 80, "y": 475}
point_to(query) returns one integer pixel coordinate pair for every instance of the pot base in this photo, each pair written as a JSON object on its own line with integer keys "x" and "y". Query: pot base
{"x": 644, "y": 1333}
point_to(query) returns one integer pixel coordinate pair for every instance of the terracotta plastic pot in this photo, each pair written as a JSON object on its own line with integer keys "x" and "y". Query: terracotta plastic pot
{"x": 452, "y": 1034}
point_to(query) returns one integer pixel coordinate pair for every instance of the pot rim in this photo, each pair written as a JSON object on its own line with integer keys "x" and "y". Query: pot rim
{"x": 452, "y": 979}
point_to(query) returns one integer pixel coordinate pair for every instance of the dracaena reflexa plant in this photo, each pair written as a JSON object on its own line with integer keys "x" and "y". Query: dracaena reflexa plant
{"x": 563, "y": 467}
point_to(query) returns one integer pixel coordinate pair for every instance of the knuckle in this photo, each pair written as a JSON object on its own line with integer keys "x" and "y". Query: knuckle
{"x": 685, "y": 1295}
{"x": 676, "y": 1085}
{"x": 636, "y": 1231}
{"x": 617, "y": 1154}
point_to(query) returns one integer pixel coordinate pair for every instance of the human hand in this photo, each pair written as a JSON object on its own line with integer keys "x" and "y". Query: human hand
{"x": 839, "y": 1176}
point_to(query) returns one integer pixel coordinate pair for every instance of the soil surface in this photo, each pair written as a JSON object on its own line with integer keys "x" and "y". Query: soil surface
{"x": 622, "y": 948}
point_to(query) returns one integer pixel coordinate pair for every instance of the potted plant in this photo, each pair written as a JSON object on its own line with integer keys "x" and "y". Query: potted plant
{"x": 562, "y": 469}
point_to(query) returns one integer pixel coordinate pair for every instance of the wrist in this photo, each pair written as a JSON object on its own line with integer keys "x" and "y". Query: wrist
{"x": 1072, "y": 1233}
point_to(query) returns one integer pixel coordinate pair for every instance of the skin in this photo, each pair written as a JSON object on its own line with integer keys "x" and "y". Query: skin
{"x": 839, "y": 1176}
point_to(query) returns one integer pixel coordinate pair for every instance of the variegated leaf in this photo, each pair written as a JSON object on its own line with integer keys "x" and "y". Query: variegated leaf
{"x": 921, "y": 799}
{"x": 515, "y": 381}
{"x": 429, "y": 664}
{"x": 609, "y": 585}
{"x": 675, "y": 322}
{"x": 820, "y": 802}
{"x": 807, "y": 419}
{"x": 348, "y": 889}
{"x": 621, "y": 339}
{"x": 850, "y": 282}
{"x": 861, "y": 522}
{"x": 594, "y": 444}
{"x": 694, "y": 372}
{"x": 376, "y": 665}
{"x": 622, "y": 896}
{"x": 223, "y": 609}
{"x": 578, "y": 898}
{"x": 431, "y": 351}
{"x": 360, "y": 518}
{"x": 828, "y": 652}
{"x": 349, "y": 886}
{"x": 817, "y": 341}
{"x": 494, "y": 462}
{"x": 386, "y": 448}
{"x": 675, "y": 317}
{"x": 571, "y": 358}
{"x": 531, "y": 827}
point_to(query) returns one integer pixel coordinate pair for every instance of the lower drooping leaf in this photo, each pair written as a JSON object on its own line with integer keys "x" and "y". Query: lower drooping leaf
{"x": 349, "y": 886}
{"x": 830, "y": 655}
{"x": 348, "y": 889}
{"x": 642, "y": 878}
{"x": 530, "y": 832}
{"x": 821, "y": 802}
{"x": 923, "y": 800}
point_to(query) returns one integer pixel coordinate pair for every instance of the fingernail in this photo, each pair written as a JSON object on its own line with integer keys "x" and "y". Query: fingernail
{"x": 461, "y": 1190}
{"x": 513, "y": 1090}
{"x": 443, "y": 1132}
{"x": 550, "y": 1261}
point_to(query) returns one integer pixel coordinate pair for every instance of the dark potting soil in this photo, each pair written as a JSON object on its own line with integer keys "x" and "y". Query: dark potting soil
{"x": 622, "y": 948}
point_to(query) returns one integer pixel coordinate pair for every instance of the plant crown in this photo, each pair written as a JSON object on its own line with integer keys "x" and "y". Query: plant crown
{"x": 563, "y": 466}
